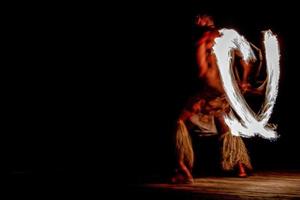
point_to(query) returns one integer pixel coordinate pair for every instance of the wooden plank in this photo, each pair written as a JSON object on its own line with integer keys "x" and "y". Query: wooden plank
{"x": 261, "y": 185}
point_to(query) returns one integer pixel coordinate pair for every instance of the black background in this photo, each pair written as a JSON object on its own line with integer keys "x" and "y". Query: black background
{"x": 164, "y": 77}
{"x": 96, "y": 94}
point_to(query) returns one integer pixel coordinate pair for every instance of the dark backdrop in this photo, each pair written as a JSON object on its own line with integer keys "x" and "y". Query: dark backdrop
{"x": 164, "y": 77}
{"x": 67, "y": 116}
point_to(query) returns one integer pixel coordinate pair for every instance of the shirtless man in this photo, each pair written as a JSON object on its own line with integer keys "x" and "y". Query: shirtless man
{"x": 208, "y": 71}
{"x": 212, "y": 103}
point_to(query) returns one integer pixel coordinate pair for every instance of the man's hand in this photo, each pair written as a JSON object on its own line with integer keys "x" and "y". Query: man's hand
{"x": 245, "y": 87}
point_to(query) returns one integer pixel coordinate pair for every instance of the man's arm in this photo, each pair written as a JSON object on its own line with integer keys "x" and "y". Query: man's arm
{"x": 201, "y": 58}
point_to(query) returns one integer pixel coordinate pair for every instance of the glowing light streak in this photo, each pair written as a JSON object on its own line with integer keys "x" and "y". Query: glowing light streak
{"x": 247, "y": 123}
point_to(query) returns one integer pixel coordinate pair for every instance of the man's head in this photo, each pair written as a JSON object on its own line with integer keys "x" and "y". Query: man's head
{"x": 205, "y": 21}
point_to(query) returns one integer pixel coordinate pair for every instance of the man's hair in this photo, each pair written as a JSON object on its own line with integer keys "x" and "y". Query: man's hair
{"x": 204, "y": 20}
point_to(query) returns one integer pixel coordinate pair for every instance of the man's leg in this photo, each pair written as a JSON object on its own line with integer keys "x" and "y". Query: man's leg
{"x": 186, "y": 171}
{"x": 230, "y": 148}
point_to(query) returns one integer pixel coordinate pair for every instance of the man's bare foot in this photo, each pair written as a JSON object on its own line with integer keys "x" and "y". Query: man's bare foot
{"x": 179, "y": 178}
{"x": 242, "y": 171}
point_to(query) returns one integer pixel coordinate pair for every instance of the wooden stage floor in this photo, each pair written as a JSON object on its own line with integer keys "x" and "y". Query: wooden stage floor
{"x": 260, "y": 185}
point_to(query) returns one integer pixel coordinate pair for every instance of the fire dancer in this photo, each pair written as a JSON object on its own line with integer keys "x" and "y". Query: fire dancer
{"x": 206, "y": 111}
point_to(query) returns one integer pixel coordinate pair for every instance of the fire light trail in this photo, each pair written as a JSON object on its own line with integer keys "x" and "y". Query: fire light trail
{"x": 248, "y": 123}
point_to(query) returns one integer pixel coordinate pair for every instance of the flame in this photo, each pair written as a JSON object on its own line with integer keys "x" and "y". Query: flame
{"x": 248, "y": 123}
